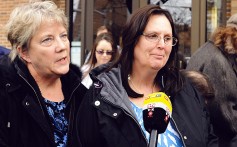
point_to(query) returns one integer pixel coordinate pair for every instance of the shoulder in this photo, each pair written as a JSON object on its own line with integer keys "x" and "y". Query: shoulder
{"x": 76, "y": 69}
{"x": 188, "y": 87}
{"x": 4, "y": 51}
{"x": 104, "y": 68}
{"x": 2, "y": 76}
{"x": 189, "y": 100}
{"x": 208, "y": 49}
{"x": 7, "y": 83}
{"x": 208, "y": 56}
{"x": 112, "y": 75}
{"x": 189, "y": 93}
{"x": 6, "y": 73}
{"x": 5, "y": 60}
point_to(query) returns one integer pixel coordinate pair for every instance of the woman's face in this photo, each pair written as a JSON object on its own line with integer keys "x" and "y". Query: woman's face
{"x": 103, "y": 52}
{"x": 49, "y": 51}
{"x": 149, "y": 53}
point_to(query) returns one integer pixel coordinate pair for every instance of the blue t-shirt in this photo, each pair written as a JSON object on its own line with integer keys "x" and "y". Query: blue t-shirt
{"x": 170, "y": 138}
{"x": 56, "y": 111}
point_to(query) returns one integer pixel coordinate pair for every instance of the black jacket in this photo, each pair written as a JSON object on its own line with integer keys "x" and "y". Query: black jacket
{"x": 24, "y": 120}
{"x": 106, "y": 117}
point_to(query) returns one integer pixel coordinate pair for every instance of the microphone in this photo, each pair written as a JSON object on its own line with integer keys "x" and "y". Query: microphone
{"x": 157, "y": 110}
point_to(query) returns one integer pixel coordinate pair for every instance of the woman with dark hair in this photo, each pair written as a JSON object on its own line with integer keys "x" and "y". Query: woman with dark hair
{"x": 104, "y": 50}
{"x": 111, "y": 113}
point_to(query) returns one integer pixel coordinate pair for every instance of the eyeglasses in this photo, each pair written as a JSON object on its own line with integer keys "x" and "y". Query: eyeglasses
{"x": 101, "y": 52}
{"x": 153, "y": 37}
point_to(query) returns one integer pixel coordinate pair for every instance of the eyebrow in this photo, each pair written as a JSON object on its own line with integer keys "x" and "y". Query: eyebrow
{"x": 152, "y": 32}
{"x": 105, "y": 49}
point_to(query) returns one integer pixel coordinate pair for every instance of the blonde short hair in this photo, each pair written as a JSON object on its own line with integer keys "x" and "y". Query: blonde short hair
{"x": 26, "y": 19}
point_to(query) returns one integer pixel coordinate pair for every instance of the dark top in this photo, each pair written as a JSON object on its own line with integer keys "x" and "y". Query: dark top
{"x": 106, "y": 117}
{"x": 25, "y": 121}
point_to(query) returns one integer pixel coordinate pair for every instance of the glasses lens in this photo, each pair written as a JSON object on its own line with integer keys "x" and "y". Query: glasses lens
{"x": 101, "y": 52}
{"x": 175, "y": 40}
{"x": 169, "y": 41}
{"x": 109, "y": 53}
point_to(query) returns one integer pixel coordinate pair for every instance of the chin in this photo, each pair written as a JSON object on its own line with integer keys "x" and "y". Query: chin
{"x": 156, "y": 66}
{"x": 63, "y": 70}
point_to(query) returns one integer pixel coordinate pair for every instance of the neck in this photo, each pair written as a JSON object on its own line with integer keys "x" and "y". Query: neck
{"x": 142, "y": 86}
{"x": 52, "y": 92}
{"x": 50, "y": 86}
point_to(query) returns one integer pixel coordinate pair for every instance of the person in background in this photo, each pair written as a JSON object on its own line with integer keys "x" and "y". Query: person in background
{"x": 217, "y": 58}
{"x": 111, "y": 113}
{"x": 4, "y": 51}
{"x": 103, "y": 51}
{"x": 40, "y": 90}
{"x": 100, "y": 30}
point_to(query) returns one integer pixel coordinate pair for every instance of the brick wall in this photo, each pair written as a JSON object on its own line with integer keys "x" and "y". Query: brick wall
{"x": 6, "y": 6}
{"x": 233, "y": 7}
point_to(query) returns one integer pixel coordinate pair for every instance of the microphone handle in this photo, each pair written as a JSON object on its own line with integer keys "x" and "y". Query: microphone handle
{"x": 153, "y": 138}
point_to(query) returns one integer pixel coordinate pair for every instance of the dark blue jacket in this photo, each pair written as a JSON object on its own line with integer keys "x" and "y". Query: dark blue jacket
{"x": 4, "y": 51}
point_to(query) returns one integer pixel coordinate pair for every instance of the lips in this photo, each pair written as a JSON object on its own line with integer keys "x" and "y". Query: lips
{"x": 158, "y": 56}
{"x": 62, "y": 59}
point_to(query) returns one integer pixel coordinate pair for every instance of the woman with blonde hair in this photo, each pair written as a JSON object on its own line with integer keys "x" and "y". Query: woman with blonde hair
{"x": 40, "y": 90}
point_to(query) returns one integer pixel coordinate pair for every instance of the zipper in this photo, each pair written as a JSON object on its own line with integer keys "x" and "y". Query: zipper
{"x": 72, "y": 93}
{"x": 178, "y": 131}
{"x": 41, "y": 107}
{"x": 70, "y": 114}
{"x": 129, "y": 115}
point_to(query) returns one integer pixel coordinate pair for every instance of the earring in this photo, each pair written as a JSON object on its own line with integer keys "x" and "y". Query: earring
{"x": 129, "y": 78}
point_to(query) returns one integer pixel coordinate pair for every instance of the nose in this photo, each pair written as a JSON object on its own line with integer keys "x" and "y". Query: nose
{"x": 62, "y": 44}
{"x": 160, "y": 42}
{"x": 104, "y": 54}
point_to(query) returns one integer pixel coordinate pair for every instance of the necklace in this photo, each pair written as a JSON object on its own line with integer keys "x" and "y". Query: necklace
{"x": 136, "y": 89}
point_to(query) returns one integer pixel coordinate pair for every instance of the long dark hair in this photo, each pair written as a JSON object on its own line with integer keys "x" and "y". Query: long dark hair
{"x": 168, "y": 78}
{"x": 92, "y": 60}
